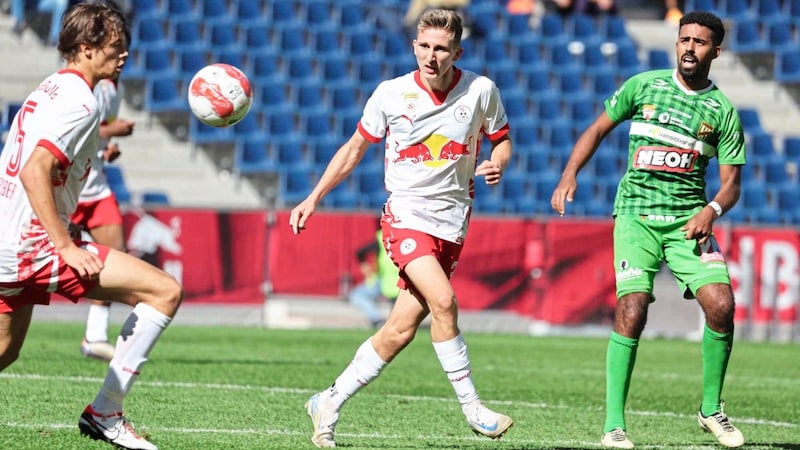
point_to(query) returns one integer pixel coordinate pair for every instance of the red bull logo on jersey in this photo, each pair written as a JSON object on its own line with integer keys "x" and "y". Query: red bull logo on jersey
{"x": 667, "y": 159}
{"x": 435, "y": 151}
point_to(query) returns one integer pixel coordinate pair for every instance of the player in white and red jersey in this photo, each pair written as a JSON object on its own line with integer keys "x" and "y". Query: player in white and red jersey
{"x": 43, "y": 167}
{"x": 432, "y": 120}
{"x": 98, "y": 210}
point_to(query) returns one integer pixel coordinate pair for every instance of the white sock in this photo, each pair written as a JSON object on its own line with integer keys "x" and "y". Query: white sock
{"x": 455, "y": 361}
{"x": 138, "y": 335}
{"x": 97, "y": 323}
{"x": 365, "y": 367}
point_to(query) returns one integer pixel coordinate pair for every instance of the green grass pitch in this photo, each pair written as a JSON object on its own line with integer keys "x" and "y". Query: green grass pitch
{"x": 244, "y": 388}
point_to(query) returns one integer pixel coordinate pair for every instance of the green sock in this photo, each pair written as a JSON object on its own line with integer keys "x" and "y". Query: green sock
{"x": 716, "y": 353}
{"x": 620, "y": 358}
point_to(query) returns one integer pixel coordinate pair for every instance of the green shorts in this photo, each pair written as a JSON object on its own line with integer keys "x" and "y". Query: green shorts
{"x": 642, "y": 243}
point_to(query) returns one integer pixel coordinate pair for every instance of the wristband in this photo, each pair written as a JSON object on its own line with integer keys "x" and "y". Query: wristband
{"x": 715, "y": 206}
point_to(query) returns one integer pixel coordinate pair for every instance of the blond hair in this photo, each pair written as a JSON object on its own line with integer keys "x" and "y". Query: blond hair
{"x": 445, "y": 19}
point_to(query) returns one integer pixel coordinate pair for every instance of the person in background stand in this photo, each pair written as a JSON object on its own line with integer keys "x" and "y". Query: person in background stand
{"x": 432, "y": 120}
{"x": 98, "y": 211}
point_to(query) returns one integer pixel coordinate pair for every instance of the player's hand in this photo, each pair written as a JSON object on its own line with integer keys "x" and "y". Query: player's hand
{"x": 299, "y": 215}
{"x": 491, "y": 172}
{"x": 86, "y": 264}
{"x": 699, "y": 226}
{"x": 121, "y": 127}
{"x": 564, "y": 192}
{"x": 111, "y": 152}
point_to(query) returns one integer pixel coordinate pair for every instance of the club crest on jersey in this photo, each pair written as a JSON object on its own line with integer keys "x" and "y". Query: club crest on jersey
{"x": 462, "y": 114}
{"x": 705, "y": 130}
{"x": 648, "y": 111}
{"x": 410, "y": 102}
{"x": 665, "y": 159}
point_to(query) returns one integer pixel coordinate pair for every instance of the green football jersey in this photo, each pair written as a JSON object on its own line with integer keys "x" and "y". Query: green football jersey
{"x": 673, "y": 135}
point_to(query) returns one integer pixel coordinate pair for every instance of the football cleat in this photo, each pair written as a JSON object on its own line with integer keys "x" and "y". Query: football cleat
{"x": 324, "y": 419}
{"x": 113, "y": 428}
{"x": 718, "y": 423}
{"x": 101, "y": 350}
{"x": 486, "y": 422}
{"x": 616, "y": 438}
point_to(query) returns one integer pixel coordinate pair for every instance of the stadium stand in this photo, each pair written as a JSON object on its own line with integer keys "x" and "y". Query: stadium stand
{"x": 314, "y": 62}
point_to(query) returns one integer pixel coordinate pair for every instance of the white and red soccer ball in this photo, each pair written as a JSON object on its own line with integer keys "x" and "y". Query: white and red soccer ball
{"x": 220, "y": 95}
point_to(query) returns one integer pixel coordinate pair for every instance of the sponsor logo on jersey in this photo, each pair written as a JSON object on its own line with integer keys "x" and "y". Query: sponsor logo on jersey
{"x": 665, "y": 159}
{"x": 648, "y": 111}
{"x": 435, "y": 151}
{"x": 704, "y": 130}
{"x": 711, "y": 103}
{"x": 410, "y": 102}
{"x": 660, "y": 83}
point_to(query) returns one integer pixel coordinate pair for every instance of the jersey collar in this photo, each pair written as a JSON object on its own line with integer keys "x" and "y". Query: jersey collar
{"x": 438, "y": 97}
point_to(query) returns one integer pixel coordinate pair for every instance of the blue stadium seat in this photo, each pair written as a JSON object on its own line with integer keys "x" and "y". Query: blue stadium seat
{"x": 659, "y": 59}
{"x": 594, "y": 59}
{"x": 504, "y": 74}
{"x": 251, "y": 156}
{"x": 165, "y": 95}
{"x": 149, "y": 31}
{"x": 737, "y": 10}
{"x": 552, "y": 30}
{"x": 769, "y": 10}
{"x": 761, "y": 145}
{"x": 370, "y": 181}
{"x": 279, "y": 124}
{"x": 344, "y": 97}
{"x": 787, "y": 197}
{"x": 787, "y": 66}
{"x": 754, "y": 196}
{"x": 361, "y": 42}
{"x": 177, "y": 9}
{"x": 515, "y": 102}
{"x": 750, "y": 121}
{"x": 158, "y": 62}
{"x": 603, "y": 85}
{"x": 328, "y": 41}
{"x": 627, "y": 58}
{"x": 213, "y": 10}
{"x": 525, "y": 138}
{"x": 518, "y": 25}
{"x": 748, "y": 38}
{"x": 548, "y": 112}
{"x": 146, "y": 8}
{"x": 235, "y": 58}
{"x": 336, "y": 70}
{"x": 582, "y": 114}
{"x": 495, "y": 50}
{"x": 257, "y": 35}
{"x": 779, "y": 35}
{"x": 302, "y": 67}
{"x": 776, "y": 171}
{"x": 294, "y": 39}
{"x": 308, "y": 97}
{"x": 584, "y": 29}
{"x": 250, "y": 125}
{"x": 223, "y": 34}
{"x": 155, "y": 198}
{"x": 264, "y": 65}
{"x": 562, "y": 59}
{"x": 116, "y": 181}
{"x": 186, "y": 32}
{"x": 295, "y": 184}
{"x": 352, "y": 17}
{"x": 200, "y": 133}
{"x": 280, "y": 11}
{"x": 250, "y": 12}
{"x": 190, "y": 61}
{"x": 514, "y": 184}
{"x": 317, "y": 124}
{"x": 370, "y": 70}
{"x": 318, "y": 12}
{"x": 529, "y": 53}
{"x": 346, "y": 122}
{"x": 571, "y": 87}
{"x": 791, "y": 148}
{"x": 395, "y": 45}
{"x": 613, "y": 30}
{"x": 290, "y": 151}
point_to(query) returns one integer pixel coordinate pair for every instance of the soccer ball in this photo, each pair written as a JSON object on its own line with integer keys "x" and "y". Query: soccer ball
{"x": 220, "y": 95}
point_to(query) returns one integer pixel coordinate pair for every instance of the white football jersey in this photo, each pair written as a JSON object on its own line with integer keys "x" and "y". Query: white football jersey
{"x": 60, "y": 115}
{"x": 432, "y": 148}
{"x": 109, "y": 96}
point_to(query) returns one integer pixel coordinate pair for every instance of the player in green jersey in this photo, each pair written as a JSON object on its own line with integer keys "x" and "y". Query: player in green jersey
{"x": 679, "y": 121}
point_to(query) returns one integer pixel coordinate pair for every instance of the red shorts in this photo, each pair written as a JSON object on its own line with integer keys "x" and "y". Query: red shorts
{"x": 404, "y": 246}
{"x": 61, "y": 279}
{"x": 97, "y": 213}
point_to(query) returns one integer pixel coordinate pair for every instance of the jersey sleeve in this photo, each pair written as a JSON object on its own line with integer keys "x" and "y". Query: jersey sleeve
{"x": 67, "y": 128}
{"x": 620, "y": 106}
{"x": 495, "y": 123}
{"x": 731, "y": 148}
{"x": 373, "y": 121}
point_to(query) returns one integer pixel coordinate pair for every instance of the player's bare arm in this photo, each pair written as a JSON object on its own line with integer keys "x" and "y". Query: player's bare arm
{"x": 119, "y": 127}
{"x": 581, "y": 154}
{"x": 341, "y": 165}
{"x": 492, "y": 170}
{"x": 700, "y": 225}
{"x": 36, "y": 176}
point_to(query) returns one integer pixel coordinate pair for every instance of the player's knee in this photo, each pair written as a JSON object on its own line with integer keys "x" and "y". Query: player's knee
{"x": 169, "y": 296}
{"x": 443, "y": 306}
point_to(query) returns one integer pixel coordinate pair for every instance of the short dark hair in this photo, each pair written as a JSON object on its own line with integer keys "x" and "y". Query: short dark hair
{"x": 708, "y": 20}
